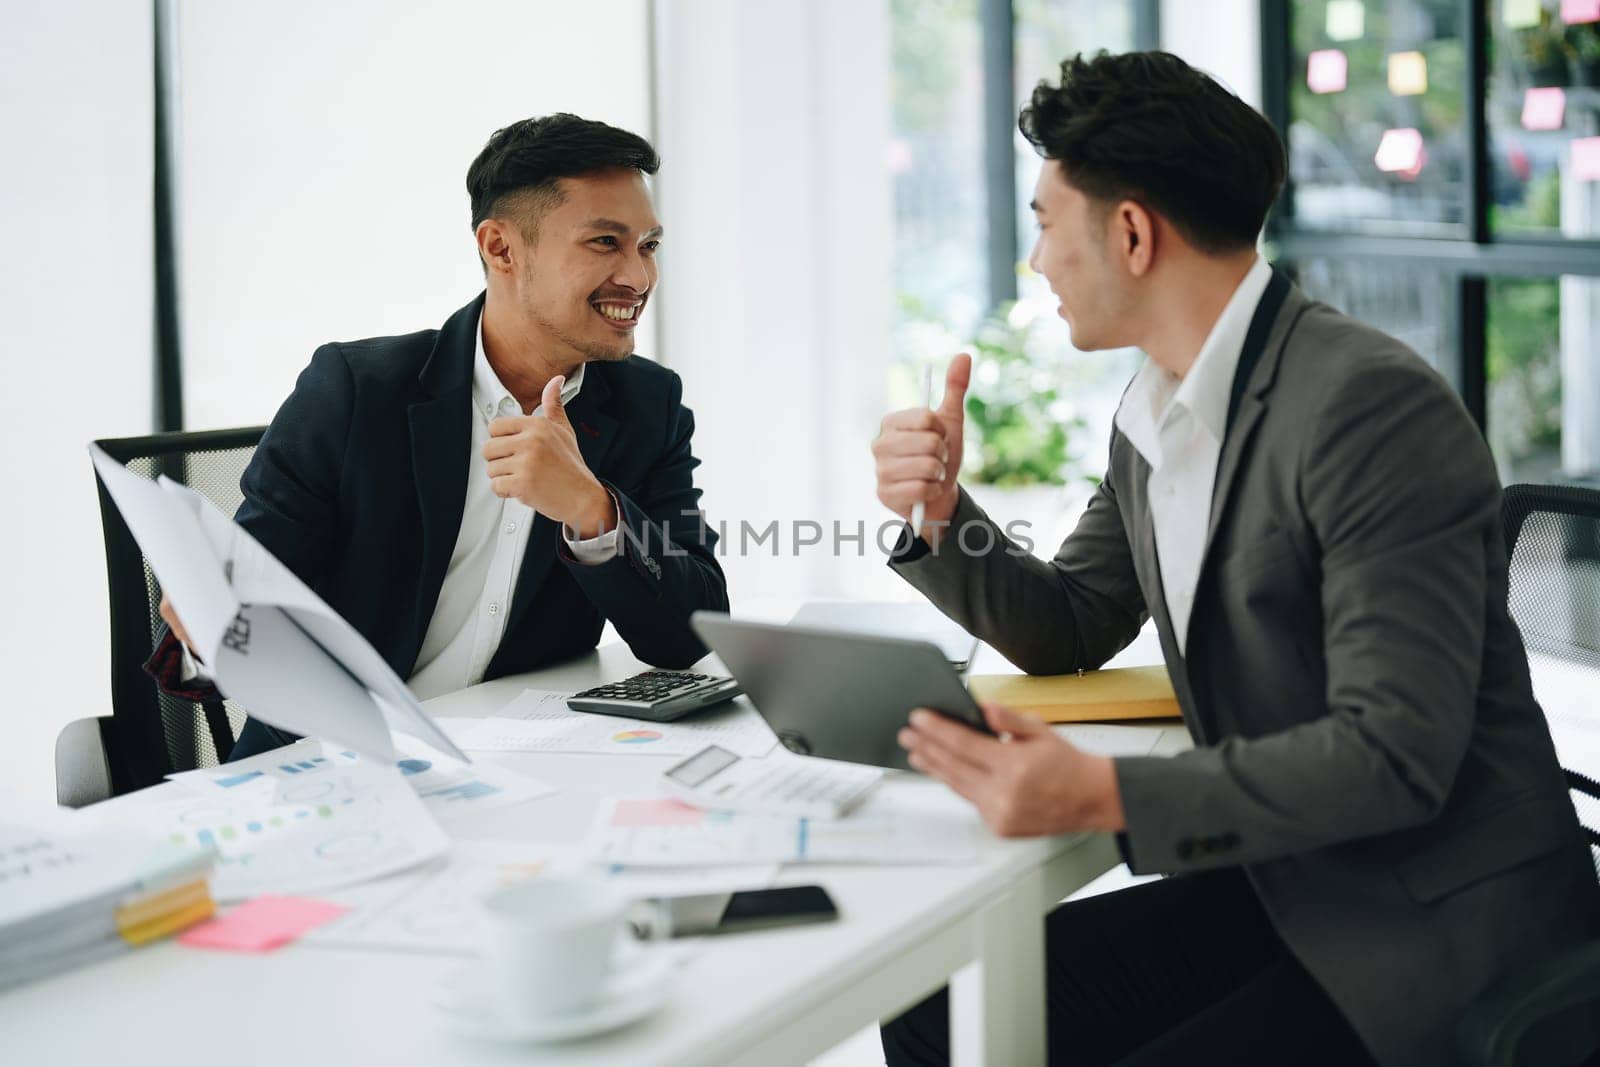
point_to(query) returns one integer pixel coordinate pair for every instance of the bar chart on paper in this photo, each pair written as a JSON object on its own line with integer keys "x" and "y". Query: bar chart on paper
{"x": 338, "y": 827}
{"x": 311, "y": 772}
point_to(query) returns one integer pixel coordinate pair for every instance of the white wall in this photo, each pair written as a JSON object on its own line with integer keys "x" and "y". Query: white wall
{"x": 75, "y": 117}
{"x": 323, "y": 159}
{"x": 773, "y": 123}
{"x": 1220, "y": 37}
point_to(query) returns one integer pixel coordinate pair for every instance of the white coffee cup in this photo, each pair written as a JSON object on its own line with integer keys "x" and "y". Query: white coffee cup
{"x": 548, "y": 944}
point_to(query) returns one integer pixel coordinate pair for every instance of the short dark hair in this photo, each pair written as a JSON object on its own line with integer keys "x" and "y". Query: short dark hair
{"x": 529, "y": 158}
{"x": 1147, "y": 126}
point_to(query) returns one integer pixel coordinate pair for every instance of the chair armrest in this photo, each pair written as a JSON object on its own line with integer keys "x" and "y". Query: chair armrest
{"x": 1498, "y": 1021}
{"x": 83, "y": 775}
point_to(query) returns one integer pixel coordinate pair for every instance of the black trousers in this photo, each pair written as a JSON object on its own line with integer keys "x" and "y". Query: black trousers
{"x": 1184, "y": 970}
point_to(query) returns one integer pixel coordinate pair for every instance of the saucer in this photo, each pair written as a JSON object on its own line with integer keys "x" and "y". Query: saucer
{"x": 638, "y": 987}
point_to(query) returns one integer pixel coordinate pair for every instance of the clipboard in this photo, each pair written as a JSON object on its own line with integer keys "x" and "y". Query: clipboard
{"x": 1114, "y": 695}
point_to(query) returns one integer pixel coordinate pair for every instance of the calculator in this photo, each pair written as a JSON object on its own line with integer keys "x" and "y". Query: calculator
{"x": 659, "y": 696}
{"x": 778, "y": 784}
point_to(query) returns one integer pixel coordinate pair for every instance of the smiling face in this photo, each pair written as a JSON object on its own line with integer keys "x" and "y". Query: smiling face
{"x": 1077, "y": 254}
{"x": 585, "y": 272}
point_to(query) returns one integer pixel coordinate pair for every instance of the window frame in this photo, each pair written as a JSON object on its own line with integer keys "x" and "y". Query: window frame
{"x": 1472, "y": 260}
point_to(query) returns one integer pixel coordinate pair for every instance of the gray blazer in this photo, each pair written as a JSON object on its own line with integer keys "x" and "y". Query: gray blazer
{"x": 1368, "y": 747}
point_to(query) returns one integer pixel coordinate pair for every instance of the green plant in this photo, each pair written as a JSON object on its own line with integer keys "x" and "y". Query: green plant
{"x": 1021, "y": 428}
{"x": 1524, "y": 365}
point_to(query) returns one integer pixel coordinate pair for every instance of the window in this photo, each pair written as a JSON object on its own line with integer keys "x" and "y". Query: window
{"x": 1543, "y": 117}
{"x": 963, "y": 178}
{"x": 1444, "y": 185}
{"x": 1378, "y": 132}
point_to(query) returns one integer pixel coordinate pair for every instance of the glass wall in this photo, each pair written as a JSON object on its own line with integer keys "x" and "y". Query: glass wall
{"x": 1543, "y": 117}
{"x": 1445, "y": 186}
{"x": 1039, "y": 411}
{"x": 1378, "y": 136}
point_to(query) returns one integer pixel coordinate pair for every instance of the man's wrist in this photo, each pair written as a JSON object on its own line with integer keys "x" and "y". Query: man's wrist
{"x": 1107, "y": 813}
{"x": 599, "y": 515}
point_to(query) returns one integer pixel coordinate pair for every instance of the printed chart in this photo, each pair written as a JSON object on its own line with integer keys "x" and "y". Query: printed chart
{"x": 540, "y": 721}
{"x": 662, "y": 832}
{"x": 331, "y": 821}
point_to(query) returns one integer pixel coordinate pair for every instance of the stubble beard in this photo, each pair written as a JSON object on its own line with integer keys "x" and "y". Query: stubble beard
{"x": 591, "y": 351}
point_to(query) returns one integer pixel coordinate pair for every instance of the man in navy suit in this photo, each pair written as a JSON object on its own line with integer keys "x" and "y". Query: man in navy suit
{"x": 479, "y": 499}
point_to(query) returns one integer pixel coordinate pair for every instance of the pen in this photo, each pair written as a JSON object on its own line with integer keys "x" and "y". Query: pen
{"x": 920, "y": 509}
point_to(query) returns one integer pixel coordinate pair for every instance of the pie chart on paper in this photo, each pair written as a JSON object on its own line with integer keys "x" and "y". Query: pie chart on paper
{"x": 636, "y": 737}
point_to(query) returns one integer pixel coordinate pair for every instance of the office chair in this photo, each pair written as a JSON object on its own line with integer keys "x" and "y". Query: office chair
{"x": 149, "y": 733}
{"x": 1551, "y": 1013}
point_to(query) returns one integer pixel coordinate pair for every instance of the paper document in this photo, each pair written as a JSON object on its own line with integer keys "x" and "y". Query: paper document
{"x": 314, "y": 824}
{"x": 1104, "y": 739}
{"x": 271, "y": 643}
{"x": 437, "y": 909}
{"x": 540, "y": 721}
{"x": 662, "y": 831}
{"x": 448, "y": 789}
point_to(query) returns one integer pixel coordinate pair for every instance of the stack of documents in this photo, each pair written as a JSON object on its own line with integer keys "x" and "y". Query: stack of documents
{"x": 73, "y": 891}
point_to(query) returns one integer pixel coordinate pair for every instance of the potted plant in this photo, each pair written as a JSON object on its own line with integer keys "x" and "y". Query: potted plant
{"x": 1024, "y": 430}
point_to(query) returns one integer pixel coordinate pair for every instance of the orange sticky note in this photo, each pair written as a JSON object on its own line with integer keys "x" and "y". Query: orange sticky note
{"x": 262, "y": 924}
{"x": 1408, "y": 73}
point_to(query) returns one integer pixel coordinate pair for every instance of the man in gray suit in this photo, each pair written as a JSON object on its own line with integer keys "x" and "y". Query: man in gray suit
{"x": 1372, "y": 827}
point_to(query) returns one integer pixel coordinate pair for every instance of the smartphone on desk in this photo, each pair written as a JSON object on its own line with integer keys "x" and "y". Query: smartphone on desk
{"x": 730, "y": 913}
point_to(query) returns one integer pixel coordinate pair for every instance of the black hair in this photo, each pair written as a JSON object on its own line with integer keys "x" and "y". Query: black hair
{"x": 1147, "y": 126}
{"x": 532, "y": 156}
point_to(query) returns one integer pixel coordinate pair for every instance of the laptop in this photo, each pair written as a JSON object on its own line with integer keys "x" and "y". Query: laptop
{"x": 841, "y": 696}
{"x": 913, "y": 621}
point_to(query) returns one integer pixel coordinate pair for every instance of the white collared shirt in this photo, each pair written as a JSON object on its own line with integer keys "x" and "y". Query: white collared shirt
{"x": 475, "y": 600}
{"x": 1178, "y": 425}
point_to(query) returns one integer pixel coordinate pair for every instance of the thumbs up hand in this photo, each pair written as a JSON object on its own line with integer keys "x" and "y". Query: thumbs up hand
{"x": 535, "y": 459}
{"x": 918, "y": 452}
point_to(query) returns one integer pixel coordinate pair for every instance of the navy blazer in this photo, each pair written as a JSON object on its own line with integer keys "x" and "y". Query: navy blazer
{"x": 358, "y": 486}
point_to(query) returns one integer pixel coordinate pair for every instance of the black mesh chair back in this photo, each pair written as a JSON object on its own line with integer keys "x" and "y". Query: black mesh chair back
{"x": 1554, "y": 536}
{"x": 1549, "y": 1012}
{"x": 151, "y": 734}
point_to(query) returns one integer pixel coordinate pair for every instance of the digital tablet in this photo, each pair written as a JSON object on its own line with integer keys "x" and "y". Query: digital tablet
{"x": 841, "y": 696}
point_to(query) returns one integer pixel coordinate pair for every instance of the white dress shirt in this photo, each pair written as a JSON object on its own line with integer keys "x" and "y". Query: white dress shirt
{"x": 470, "y": 616}
{"x": 1178, "y": 425}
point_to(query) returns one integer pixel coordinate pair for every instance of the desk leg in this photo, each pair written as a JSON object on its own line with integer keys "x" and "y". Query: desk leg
{"x": 997, "y": 1004}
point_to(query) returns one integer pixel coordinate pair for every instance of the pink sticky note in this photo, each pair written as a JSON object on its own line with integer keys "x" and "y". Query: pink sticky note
{"x": 1544, "y": 109}
{"x": 1583, "y": 161}
{"x": 262, "y": 924}
{"x": 1327, "y": 71}
{"x": 655, "y": 811}
{"x": 1401, "y": 152}
{"x": 1576, "y": 11}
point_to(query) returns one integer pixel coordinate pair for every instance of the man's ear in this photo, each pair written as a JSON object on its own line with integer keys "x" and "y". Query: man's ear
{"x": 1133, "y": 231}
{"x": 495, "y": 246}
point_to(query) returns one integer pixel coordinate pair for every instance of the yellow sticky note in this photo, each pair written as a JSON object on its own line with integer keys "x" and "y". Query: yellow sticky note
{"x": 1408, "y": 73}
{"x": 1520, "y": 14}
{"x": 1346, "y": 20}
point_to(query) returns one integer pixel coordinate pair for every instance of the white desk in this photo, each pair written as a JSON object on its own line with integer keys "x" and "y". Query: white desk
{"x": 775, "y": 997}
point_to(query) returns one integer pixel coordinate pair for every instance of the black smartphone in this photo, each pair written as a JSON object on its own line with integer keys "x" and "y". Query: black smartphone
{"x": 729, "y": 913}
